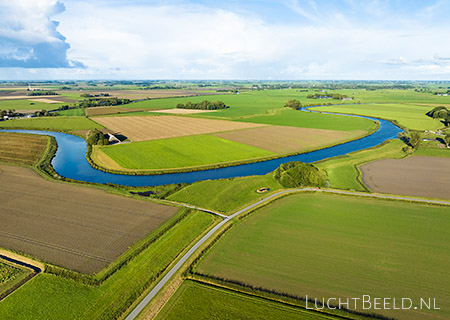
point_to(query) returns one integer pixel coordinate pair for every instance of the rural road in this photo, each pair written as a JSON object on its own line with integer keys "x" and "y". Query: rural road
{"x": 133, "y": 314}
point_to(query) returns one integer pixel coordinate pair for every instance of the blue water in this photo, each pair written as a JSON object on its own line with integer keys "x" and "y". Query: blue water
{"x": 70, "y": 160}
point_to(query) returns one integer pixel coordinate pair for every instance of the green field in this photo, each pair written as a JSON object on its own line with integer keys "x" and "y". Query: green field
{"x": 10, "y": 276}
{"x": 410, "y": 116}
{"x": 28, "y": 105}
{"x": 341, "y": 246}
{"x": 342, "y": 171}
{"x": 181, "y": 152}
{"x": 51, "y": 123}
{"x": 72, "y": 112}
{"x": 432, "y": 152}
{"x": 229, "y": 194}
{"x": 52, "y": 297}
{"x": 196, "y": 301}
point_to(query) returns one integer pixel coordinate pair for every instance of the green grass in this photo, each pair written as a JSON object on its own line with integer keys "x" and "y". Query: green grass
{"x": 341, "y": 246}
{"x": 180, "y": 152}
{"x": 11, "y": 275}
{"x": 52, "y": 123}
{"x": 28, "y": 105}
{"x": 51, "y": 297}
{"x": 432, "y": 152}
{"x": 342, "y": 171}
{"x": 226, "y": 195}
{"x": 294, "y": 118}
{"x": 72, "y": 112}
{"x": 196, "y": 301}
{"x": 410, "y": 116}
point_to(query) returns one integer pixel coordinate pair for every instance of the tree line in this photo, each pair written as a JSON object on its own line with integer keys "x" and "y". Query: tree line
{"x": 440, "y": 112}
{"x": 204, "y": 105}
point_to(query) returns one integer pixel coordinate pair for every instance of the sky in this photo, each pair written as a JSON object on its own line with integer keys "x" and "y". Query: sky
{"x": 206, "y": 39}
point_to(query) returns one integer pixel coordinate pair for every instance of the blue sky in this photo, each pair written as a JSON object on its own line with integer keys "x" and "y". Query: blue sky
{"x": 206, "y": 39}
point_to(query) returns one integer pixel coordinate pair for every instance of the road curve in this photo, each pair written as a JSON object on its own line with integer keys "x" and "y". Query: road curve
{"x": 138, "y": 309}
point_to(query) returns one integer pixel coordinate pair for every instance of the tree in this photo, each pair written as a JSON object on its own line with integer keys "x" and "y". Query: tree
{"x": 294, "y": 104}
{"x": 298, "y": 174}
{"x": 414, "y": 139}
{"x": 96, "y": 137}
{"x": 447, "y": 139}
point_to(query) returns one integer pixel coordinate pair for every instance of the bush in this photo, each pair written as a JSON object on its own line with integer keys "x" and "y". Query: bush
{"x": 95, "y": 136}
{"x": 298, "y": 174}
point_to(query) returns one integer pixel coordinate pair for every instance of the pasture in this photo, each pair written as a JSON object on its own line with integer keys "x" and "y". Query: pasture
{"x": 54, "y": 298}
{"x": 23, "y": 149}
{"x": 180, "y": 152}
{"x": 11, "y": 275}
{"x": 410, "y": 116}
{"x": 340, "y": 246}
{"x": 283, "y": 140}
{"x": 78, "y": 112}
{"x": 197, "y": 301}
{"x": 29, "y": 105}
{"x": 161, "y": 127}
{"x": 51, "y": 123}
{"x": 79, "y": 228}
{"x": 414, "y": 176}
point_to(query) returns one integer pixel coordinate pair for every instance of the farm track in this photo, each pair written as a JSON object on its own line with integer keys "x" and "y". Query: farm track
{"x": 138, "y": 309}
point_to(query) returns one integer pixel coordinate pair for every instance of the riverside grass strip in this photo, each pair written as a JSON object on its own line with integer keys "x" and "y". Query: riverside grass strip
{"x": 51, "y": 123}
{"x": 340, "y": 246}
{"x": 80, "y": 228}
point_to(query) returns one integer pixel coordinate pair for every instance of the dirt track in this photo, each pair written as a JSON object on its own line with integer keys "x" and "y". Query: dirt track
{"x": 418, "y": 176}
{"x": 80, "y": 228}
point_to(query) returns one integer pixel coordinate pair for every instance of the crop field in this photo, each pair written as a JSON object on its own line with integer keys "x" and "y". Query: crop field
{"x": 82, "y": 229}
{"x": 28, "y": 104}
{"x": 196, "y": 301}
{"x": 340, "y": 246}
{"x": 180, "y": 152}
{"x": 417, "y": 176}
{"x": 182, "y": 111}
{"x": 161, "y": 127}
{"x": 52, "y": 123}
{"x": 10, "y": 276}
{"x": 101, "y": 111}
{"x": 294, "y": 118}
{"x": 282, "y": 139}
{"x": 54, "y": 298}
{"x": 410, "y": 116}
{"x": 25, "y": 149}
{"x": 78, "y": 112}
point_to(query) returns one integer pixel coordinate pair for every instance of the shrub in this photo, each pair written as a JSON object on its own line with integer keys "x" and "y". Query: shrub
{"x": 298, "y": 174}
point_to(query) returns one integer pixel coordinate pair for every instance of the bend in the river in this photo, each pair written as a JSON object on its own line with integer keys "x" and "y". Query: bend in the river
{"x": 70, "y": 159}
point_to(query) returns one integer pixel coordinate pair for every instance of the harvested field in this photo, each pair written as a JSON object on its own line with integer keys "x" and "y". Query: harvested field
{"x": 281, "y": 139}
{"x": 182, "y": 111}
{"x": 416, "y": 176}
{"x": 80, "y": 228}
{"x": 161, "y": 127}
{"x": 100, "y": 111}
{"x": 45, "y": 100}
{"x": 19, "y": 148}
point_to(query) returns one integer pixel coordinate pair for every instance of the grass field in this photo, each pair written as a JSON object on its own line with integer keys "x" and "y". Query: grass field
{"x": 416, "y": 176}
{"x": 196, "y": 301}
{"x": 52, "y": 123}
{"x": 10, "y": 276}
{"x": 342, "y": 171}
{"x": 80, "y": 228}
{"x": 339, "y": 246}
{"x": 101, "y": 111}
{"x": 181, "y": 152}
{"x": 51, "y": 297}
{"x": 24, "y": 149}
{"x": 79, "y": 112}
{"x": 161, "y": 127}
{"x": 432, "y": 152}
{"x": 26, "y": 104}
{"x": 229, "y": 194}
{"x": 410, "y": 116}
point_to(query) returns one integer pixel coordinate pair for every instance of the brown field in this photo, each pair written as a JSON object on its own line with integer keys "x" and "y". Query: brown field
{"x": 101, "y": 111}
{"x": 80, "y": 228}
{"x": 45, "y": 100}
{"x": 416, "y": 176}
{"x": 151, "y": 94}
{"x": 182, "y": 111}
{"x": 25, "y": 149}
{"x": 161, "y": 127}
{"x": 281, "y": 139}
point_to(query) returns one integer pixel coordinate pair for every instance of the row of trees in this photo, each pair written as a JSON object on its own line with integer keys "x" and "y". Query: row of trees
{"x": 326, "y": 95}
{"x": 95, "y": 102}
{"x": 440, "y": 113}
{"x": 42, "y": 93}
{"x": 204, "y": 105}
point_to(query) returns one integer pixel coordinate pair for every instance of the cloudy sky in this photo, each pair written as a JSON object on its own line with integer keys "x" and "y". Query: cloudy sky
{"x": 207, "y": 39}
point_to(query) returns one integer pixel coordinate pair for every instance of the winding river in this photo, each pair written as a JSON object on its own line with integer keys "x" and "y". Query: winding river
{"x": 70, "y": 160}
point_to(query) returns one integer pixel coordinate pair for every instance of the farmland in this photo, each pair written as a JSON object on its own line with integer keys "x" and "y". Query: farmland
{"x": 410, "y": 116}
{"x": 337, "y": 246}
{"x": 418, "y": 176}
{"x": 197, "y": 301}
{"x": 28, "y": 104}
{"x": 101, "y": 111}
{"x": 181, "y": 152}
{"x": 10, "y": 276}
{"x": 39, "y": 219}
{"x": 22, "y": 149}
{"x": 51, "y": 123}
{"x": 160, "y": 127}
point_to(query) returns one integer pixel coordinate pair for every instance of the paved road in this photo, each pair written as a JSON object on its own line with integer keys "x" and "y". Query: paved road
{"x": 226, "y": 219}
